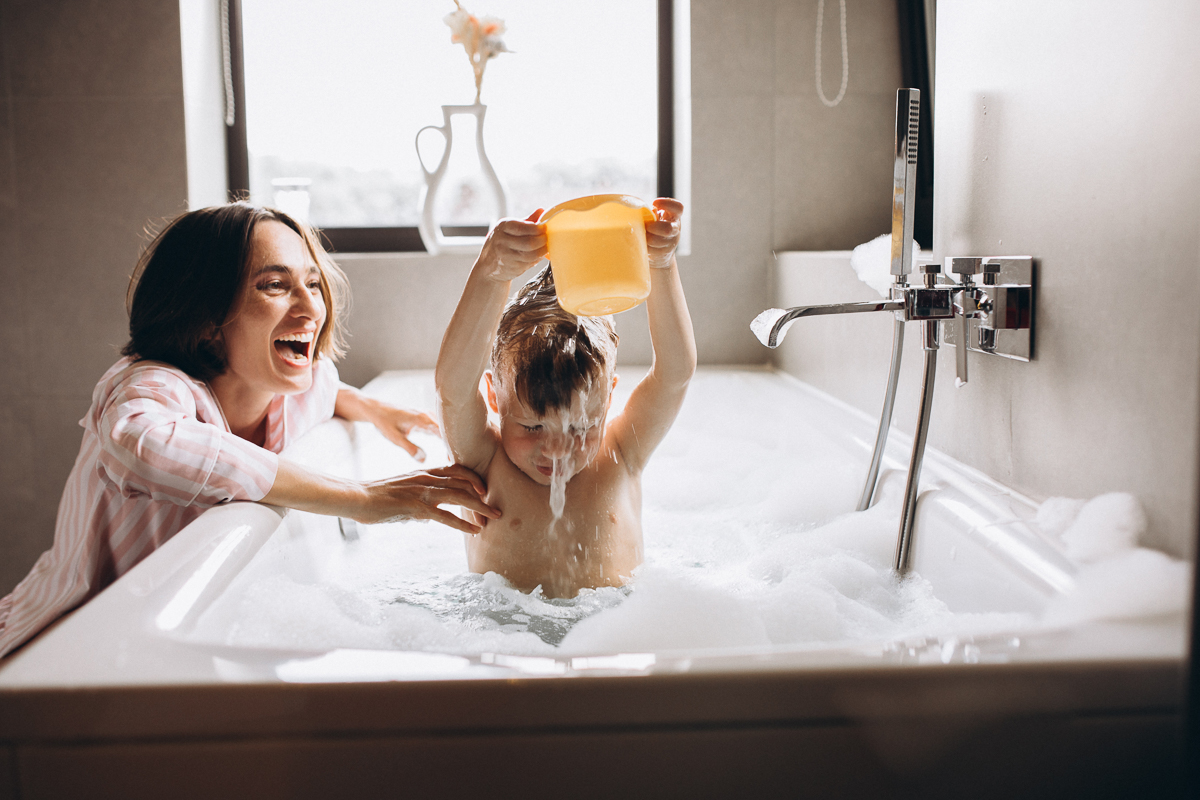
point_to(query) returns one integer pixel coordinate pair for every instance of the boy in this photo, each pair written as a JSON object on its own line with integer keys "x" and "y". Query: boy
{"x": 567, "y": 481}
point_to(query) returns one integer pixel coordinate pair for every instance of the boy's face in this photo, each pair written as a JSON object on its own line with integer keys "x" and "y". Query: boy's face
{"x": 563, "y": 440}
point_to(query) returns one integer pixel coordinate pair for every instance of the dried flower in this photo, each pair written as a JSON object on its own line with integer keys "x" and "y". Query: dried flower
{"x": 479, "y": 37}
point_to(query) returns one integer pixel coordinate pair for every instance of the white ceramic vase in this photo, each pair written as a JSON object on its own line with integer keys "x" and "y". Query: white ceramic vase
{"x": 431, "y": 230}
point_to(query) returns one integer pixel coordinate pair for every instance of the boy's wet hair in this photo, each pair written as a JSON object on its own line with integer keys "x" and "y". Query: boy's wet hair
{"x": 550, "y": 353}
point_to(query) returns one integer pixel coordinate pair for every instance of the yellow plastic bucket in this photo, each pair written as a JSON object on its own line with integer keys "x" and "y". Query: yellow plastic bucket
{"x": 597, "y": 252}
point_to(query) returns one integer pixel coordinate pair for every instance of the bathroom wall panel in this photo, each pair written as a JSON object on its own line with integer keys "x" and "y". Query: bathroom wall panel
{"x": 833, "y": 179}
{"x": 13, "y": 305}
{"x": 92, "y": 151}
{"x": 732, "y": 223}
{"x": 873, "y": 48}
{"x": 1072, "y": 142}
{"x": 92, "y": 48}
{"x": 399, "y": 329}
{"x": 733, "y": 48}
{"x": 103, "y": 158}
{"x": 22, "y": 538}
{"x": 833, "y": 165}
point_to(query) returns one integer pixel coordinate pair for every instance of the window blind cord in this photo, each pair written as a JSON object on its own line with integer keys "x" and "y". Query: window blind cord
{"x": 227, "y": 65}
{"x": 845, "y": 55}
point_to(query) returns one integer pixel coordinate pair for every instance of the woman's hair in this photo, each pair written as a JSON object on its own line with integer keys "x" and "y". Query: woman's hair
{"x": 550, "y": 353}
{"x": 187, "y": 282}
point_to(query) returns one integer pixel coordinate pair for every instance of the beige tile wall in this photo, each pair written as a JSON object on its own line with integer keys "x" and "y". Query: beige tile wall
{"x": 91, "y": 149}
{"x": 1076, "y": 141}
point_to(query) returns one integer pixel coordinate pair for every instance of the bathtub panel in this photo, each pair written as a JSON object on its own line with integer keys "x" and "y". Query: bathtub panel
{"x": 9, "y": 790}
{"x": 744, "y": 690}
{"x": 1075, "y": 757}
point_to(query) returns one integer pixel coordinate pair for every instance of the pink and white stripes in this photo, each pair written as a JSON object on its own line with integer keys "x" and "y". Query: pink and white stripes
{"x": 156, "y": 453}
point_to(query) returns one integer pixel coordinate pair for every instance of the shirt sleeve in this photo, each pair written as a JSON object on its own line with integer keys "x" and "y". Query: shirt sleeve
{"x": 151, "y": 443}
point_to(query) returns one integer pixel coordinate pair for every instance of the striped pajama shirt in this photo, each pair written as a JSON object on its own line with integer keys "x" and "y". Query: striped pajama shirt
{"x": 157, "y": 452}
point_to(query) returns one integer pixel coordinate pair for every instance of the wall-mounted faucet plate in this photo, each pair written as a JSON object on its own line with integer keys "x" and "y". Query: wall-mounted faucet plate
{"x": 1017, "y": 344}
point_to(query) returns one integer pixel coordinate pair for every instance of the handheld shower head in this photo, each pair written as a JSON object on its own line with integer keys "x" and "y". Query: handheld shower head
{"x": 904, "y": 180}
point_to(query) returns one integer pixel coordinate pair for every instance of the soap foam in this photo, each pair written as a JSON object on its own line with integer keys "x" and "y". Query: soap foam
{"x": 1130, "y": 584}
{"x": 1105, "y": 526}
{"x": 747, "y": 544}
{"x": 872, "y": 262}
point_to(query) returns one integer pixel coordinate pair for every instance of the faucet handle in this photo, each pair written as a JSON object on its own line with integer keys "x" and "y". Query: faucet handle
{"x": 965, "y": 266}
{"x": 930, "y": 270}
{"x": 991, "y": 272}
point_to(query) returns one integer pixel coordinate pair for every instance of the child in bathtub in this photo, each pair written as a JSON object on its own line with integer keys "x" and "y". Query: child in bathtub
{"x": 566, "y": 479}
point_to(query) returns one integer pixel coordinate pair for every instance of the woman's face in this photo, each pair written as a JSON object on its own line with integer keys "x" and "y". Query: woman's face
{"x": 271, "y": 334}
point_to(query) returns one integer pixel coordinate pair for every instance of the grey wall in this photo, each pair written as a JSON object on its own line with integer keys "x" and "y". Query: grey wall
{"x": 1076, "y": 141}
{"x": 1066, "y": 131}
{"x": 91, "y": 149}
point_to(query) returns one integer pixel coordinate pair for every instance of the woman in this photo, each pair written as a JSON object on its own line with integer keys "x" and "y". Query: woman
{"x": 234, "y": 323}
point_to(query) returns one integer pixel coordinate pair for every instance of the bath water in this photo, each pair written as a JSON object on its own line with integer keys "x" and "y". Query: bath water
{"x": 747, "y": 541}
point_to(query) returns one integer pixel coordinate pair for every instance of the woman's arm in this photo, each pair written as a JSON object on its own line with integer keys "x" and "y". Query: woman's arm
{"x": 416, "y": 495}
{"x": 151, "y": 443}
{"x": 394, "y": 423}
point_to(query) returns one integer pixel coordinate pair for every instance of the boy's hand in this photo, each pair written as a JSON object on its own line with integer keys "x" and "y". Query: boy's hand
{"x": 512, "y": 247}
{"x": 662, "y": 235}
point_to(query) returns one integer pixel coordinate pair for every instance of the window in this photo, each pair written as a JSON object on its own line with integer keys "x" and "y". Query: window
{"x": 334, "y": 93}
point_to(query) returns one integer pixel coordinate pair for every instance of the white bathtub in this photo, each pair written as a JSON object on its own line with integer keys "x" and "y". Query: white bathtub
{"x": 120, "y": 694}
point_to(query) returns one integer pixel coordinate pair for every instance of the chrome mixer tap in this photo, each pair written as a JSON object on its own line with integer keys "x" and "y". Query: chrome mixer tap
{"x": 994, "y": 317}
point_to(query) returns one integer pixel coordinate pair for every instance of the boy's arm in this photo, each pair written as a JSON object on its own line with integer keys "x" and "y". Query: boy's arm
{"x": 656, "y": 401}
{"x": 512, "y": 247}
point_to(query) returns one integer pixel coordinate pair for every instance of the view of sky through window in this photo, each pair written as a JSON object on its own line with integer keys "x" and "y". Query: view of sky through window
{"x": 336, "y": 91}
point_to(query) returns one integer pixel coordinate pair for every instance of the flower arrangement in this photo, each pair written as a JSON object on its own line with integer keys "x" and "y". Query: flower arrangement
{"x": 479, "y": 37}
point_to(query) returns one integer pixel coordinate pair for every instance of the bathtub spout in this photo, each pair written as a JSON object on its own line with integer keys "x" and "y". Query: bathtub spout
{"x": 772, "y": 325}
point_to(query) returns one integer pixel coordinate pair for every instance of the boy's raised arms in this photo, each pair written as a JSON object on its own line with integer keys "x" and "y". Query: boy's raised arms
{"x": 655, "y": 402}
{"x": 511, "y": 248}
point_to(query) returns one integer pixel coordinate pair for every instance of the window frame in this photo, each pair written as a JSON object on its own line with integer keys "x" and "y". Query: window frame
{"x": 406, "y": 239}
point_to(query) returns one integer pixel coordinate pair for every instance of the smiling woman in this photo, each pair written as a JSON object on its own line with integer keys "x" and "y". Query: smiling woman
{"x": 234, "y": 323}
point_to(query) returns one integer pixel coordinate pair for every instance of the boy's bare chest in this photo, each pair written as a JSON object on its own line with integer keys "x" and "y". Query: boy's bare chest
{"x": 597, "y": 541}
{"x": 602, "y": 495}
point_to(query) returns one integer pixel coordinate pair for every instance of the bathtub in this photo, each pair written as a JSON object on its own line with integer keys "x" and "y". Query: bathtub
{"x": 123, "y": 698}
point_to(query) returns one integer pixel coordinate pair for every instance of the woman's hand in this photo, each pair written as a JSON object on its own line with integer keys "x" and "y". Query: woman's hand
{"x": 512, "y": 247}
{"x": 662, "y": 235}
{"x": 397, "y": 423}
{"x": 418, "y": 495}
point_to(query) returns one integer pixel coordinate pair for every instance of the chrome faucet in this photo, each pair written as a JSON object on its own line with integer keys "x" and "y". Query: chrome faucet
{"x": 999, "y": 313}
